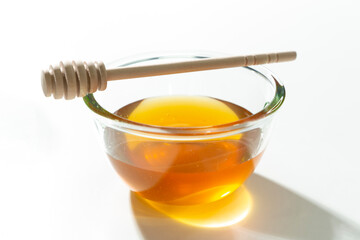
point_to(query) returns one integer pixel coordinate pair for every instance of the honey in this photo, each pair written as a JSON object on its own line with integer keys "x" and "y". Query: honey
{"x": 183, "y": 172}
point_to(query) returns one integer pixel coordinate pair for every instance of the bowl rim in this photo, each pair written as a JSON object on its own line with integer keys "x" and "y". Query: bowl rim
{"x": 239, "y": 126}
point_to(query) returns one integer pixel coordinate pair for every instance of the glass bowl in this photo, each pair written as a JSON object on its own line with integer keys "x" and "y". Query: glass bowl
{"x": 187, "y": 165}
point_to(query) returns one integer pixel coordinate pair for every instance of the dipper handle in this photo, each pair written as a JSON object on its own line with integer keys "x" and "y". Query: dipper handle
{"x": 77, "y": 79}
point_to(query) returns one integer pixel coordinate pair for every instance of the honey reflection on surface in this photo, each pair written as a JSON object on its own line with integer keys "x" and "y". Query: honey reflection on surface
{"x": 226, "y": 211}
{"x": 183, "y": 173}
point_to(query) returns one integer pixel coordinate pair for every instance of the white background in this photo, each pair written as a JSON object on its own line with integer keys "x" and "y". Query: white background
{"x": 55, "y": 182}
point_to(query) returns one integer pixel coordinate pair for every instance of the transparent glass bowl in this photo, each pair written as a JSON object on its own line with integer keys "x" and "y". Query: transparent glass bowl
{"x": 187, "y": 165}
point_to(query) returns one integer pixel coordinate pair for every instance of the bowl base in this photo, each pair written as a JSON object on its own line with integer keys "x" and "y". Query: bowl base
{"x": 228, "y": 210}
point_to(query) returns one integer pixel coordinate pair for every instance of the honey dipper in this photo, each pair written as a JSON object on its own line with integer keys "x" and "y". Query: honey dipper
{"x": 77, "y": 79}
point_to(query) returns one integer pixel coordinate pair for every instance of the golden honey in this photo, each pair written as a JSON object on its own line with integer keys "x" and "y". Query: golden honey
{"x": 183, "y": 172}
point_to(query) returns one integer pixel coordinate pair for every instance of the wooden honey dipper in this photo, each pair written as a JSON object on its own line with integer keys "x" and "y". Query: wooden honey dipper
{"x": 77, "y": 79}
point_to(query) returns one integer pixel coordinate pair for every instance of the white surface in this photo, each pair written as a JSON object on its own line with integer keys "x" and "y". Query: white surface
{"x": 55, "y": 182}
